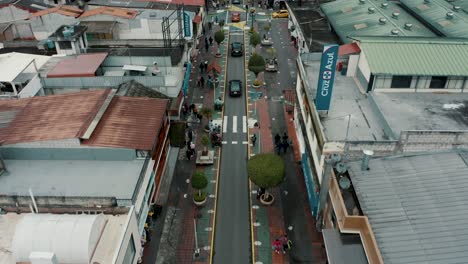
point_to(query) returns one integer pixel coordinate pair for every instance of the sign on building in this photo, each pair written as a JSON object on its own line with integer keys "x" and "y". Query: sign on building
{"x": 187, "y": 26}
{"x": 326, "y": 77}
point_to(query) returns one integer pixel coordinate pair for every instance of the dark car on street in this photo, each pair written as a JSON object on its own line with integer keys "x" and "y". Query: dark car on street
{"x": 235, "y": 88}
{"x": 237, "y": 49}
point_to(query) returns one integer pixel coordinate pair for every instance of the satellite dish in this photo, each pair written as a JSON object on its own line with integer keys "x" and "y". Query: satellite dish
{"x": 344, "y": 183}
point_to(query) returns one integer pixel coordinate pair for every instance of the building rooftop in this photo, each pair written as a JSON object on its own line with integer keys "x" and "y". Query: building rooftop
{"x": 99, "y": 26}
{"x": 105, "y": 247}
{"x": 369, "y": 114}
{"x": 140, "y": 4}
{"x": 111, "y": 11}
{"x": 6, "y": 2}
{"x": 423, "y": 111}
{"x": 49, "y": 117}
{"x": 416, "y": 205}
{"x": 74, "y": 32}
{"x": 130, "y": 122}
{"x": 84, "y": 65}
{"x": 412, "y": 56}
{"x": 372, "y": 18}
{"x": 347, "y": 104}
{"x": 174, "y": 53}
{"x": 62, "y": 10}
{"x": 68, "y": 178}
{"x": 435, "y": 14}
{"x": 32, "y": 5}
{"x": 13, "y": 63}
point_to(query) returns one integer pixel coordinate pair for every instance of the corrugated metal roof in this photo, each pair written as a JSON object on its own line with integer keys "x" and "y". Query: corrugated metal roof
{"x": 417, "y": 206}
{"x": 435, "y": 12}
{"x": 52, "y": 117}
{"x": 84, "y": 65}
{"x": 416, "y": 56}
{"x": 352, "y": 18}
{"x": 130, "y": 122}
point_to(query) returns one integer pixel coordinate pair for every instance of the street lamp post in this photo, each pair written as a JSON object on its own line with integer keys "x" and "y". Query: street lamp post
{"x": 252, "y": 16}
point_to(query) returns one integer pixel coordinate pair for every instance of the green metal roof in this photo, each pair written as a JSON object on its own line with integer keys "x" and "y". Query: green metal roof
{"x": 355, "y": 18}
{"x": 416, "y": 56}
{"x": 434, "y": 13}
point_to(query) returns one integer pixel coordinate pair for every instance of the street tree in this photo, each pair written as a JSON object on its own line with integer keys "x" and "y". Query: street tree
{"x": 254, "y": 39}
{"x": 219, "y": 38}
{"x": 199, "y": 182}
{"x": 266, "y": 171}
{"x": 256, "y": 65}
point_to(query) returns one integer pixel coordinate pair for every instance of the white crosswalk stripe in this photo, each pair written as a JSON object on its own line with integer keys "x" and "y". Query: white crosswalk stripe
{"x": 225, "y": 123}
{"x": 234, "y": 124}
{"x": 244, "y": 124}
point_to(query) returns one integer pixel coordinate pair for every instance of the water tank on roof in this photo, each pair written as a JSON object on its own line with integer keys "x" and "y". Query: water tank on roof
{"x": 341, "y": 168}
{"x": 50, "y": 44}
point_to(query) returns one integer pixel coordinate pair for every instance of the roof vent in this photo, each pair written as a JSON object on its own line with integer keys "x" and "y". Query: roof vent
{"x": 408, "y": 26}
{"x": 450, "y": 15}
{"x": 365, "y": 160}
{"x": 384, "y": 5}
{"x": 395, "y": 32}
{"x": 382, "y": 20}
{"x": 456, "y": 8}
{"x": 395, "y": 15}
{"x": 362, "y": 2}
{"x": 371, "y": 10}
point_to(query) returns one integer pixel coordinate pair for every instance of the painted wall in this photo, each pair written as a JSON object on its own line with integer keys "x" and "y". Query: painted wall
{"x": 131, "y": 230}
{"x": 41, "y": 153}
{"x": 363, "y": 66}
{"x": 11, "y": 13}
{"x": 420, "y": 84}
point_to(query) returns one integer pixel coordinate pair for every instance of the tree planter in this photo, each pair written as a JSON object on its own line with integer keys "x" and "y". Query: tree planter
{"x": 200, "y": 203}
{"x": 267, "y": 200}
{"x": 256, "y": 86}
{"x": 218, "y": 55}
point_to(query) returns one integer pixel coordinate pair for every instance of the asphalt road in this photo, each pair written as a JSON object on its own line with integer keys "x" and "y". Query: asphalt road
{"x": 232, "y": 231}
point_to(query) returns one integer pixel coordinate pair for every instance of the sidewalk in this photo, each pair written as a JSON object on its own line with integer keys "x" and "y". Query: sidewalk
{"x": 290, "y": 213}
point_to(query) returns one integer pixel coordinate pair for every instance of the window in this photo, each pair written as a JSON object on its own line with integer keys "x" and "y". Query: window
{"x": 438, "y": 82}
{"x": 65, "y": 45}
{"x": 130, "y": 252}
{"x": 401, "y": 81}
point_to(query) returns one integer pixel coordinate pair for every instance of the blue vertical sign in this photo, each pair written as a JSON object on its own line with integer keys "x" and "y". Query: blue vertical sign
{"x": 326, "y": 77}
{"x": 312, "y": 192}
{"x": 187, "y": 26}
{"x": 186, "y": 82}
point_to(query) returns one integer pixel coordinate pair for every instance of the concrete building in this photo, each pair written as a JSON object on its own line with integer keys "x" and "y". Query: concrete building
{"x": 91, "y": 152}
{"x": 406, "y": 209}
{"x": 385, "y": 120}
{"x": 19, "y": 76}
{"x": 46, "y": 22}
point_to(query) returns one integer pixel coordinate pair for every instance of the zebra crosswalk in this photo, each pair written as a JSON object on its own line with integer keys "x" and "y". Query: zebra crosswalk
{"x": 231, "y": 124}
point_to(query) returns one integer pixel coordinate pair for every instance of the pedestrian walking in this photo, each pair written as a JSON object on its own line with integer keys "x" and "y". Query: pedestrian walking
{"x": 211, "y": 40}
{"x": 285, "y": 137}
{"x": 203, "y": 30}
{"x": 284, "y": 243}
{"x": 188, "y": 153}
{"x": 199, "y": 82}
{"x": 206, "y": 66}
{"x": 190, "y": 135}
{"x": 260, "y": 192}
{"x": 285, "y": 145}
{"x": 206, "y": 46}
{"x": 276, "y": 246}
{"x": 202, "y": 82}
{"x": 209, "y": 25}
{"x": 202, "y": 65}
{"x": 254, "y": 139}
{"x": 277, "y": 139}
{"x": 210, "y": 126}
{"x": 206, "y": 40}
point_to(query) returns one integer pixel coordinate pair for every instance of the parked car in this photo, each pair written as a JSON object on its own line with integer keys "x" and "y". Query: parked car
{"x": 236, "y": 2}
{"x": 237, "y": 49}
{"x": 271, "y": 65}
{"x": 280, "y": 14}
{"x": 235, "y": 17}
{"x": 235, "y": 88}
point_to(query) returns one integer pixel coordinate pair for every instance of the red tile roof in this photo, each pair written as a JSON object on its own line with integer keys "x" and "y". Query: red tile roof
{"x": 63, "y": 10}
{"x": 111, "y": 11}
{"x": 84, "y": 65}
{"x": 54, "y": 117}
{"x": 130, "y": 122}
{"x": 349, "y": 48}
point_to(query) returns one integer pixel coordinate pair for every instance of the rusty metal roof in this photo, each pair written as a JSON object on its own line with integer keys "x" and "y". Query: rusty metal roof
{"x": 46, "y": 118}
{"x": 130, "y": 122}
{"x": 84, "y": 65}
{"x": 111, "y": 11}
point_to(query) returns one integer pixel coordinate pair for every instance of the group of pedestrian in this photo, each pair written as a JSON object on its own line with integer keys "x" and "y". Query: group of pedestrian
{"x": 281, "y": 143}
{"x": 190, "y": 152}
{"x": 208, "y": 43}
{"x": 203, "y": 66}
{"x": 282, "y": 244}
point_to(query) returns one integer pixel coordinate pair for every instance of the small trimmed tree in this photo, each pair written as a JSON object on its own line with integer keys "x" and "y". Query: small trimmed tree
{"x": 219, "y": 38}
{"x": 199, "y": 182}
{"x": 254, "y": 39}
{"x": 266, "y": 171}
{"x": 206, "y": 112}
{"x": 256, "y": 65}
